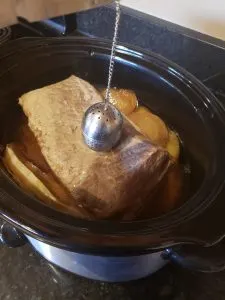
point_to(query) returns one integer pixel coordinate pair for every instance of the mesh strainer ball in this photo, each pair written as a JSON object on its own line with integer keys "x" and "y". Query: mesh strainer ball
{"x": 102, "y": 126}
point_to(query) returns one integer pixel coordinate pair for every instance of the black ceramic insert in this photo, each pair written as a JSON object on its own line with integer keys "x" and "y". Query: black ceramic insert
{"x": 181, "y": 99}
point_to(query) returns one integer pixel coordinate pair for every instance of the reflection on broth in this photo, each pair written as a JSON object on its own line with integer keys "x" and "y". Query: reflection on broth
{"x": 30, "y": 168}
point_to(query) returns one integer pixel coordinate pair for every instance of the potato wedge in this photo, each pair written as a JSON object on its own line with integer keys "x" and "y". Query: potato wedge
{"x": 172, "y": 190}
{"x": 25, "y": 177}
{"x": 173, "y": 145}
{"x": 150, "y": 125}
{"x": 32, "y": 184}
{"x": 125, "y": 100}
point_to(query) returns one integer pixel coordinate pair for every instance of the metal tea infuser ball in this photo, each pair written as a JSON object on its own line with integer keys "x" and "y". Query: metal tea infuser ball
{"x": 102, "y": 122}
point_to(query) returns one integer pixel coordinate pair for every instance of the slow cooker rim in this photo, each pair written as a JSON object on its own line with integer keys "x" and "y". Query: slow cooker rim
{"x": 194, "y": 83}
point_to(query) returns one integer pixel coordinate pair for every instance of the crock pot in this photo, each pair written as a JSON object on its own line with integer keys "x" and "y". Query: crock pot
{"x": 191, "y": 235}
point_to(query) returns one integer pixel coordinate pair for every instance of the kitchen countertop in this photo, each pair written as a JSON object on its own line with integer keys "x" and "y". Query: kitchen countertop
{"x": 202, "y": 55}
{"x": 27, "y": 276}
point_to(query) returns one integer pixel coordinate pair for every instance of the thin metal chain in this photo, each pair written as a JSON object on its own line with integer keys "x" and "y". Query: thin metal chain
{"x": 113, "y": 51}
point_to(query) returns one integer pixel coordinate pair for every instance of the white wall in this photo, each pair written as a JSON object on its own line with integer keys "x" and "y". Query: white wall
{"x": 206, "y": 16}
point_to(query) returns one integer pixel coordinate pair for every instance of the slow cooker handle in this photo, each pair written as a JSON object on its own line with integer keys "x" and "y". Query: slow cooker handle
{"x": 196, "y": 258}
{"x": 11, "y": 237}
